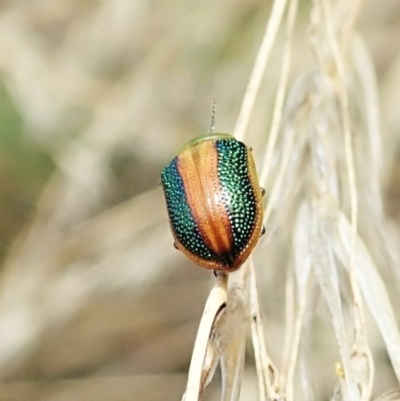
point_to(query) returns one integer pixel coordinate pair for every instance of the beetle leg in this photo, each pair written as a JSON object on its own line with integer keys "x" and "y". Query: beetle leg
{"x": 175, "y": 245}
{"x": 219, "y": 273}
{"x": 262, "y": 191}
{"x": 263, "y": 230}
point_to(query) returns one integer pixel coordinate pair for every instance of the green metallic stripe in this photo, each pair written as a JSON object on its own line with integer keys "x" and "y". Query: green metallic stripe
{"x": 182, "y": 221}
{"x": 233, "y": 171}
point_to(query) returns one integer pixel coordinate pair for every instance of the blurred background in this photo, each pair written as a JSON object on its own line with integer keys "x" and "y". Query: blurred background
{"x": 96, "y": 97}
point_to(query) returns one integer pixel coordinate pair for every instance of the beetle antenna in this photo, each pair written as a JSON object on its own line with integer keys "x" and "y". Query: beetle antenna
{"x": 213, "y": 111}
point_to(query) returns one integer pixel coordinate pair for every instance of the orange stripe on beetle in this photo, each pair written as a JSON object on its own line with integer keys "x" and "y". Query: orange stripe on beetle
{"x": 198, "y": 167}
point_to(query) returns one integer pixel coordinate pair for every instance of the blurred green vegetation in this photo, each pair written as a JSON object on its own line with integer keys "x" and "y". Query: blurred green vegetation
{"x": 24, "y": 169}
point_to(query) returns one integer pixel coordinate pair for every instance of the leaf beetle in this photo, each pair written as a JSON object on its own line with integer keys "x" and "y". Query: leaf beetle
{"x": 214, "y": 201}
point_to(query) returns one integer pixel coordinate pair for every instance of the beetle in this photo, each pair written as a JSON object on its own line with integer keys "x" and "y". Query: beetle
{"x": 214, "y": 201}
